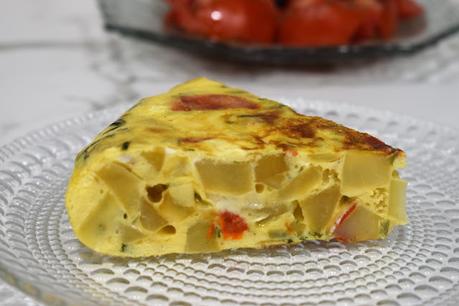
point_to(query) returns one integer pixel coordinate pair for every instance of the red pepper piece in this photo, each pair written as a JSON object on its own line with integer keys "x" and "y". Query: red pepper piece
{"x": 232, "y": 225}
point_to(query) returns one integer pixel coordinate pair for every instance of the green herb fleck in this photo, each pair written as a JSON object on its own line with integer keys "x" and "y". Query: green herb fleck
{"x": 124, "y": 216}
{"x": 118, "y": 123}
{"x": 115, "y": 125}
{"x": 277, "y": 234}
{"x": 199, "y": 200}
{"x": 315, "y": 235}
{"x": 86, "y": 152}
{"x": 125, "y": 145}
{"x": 218, "y": 232}
{"x": 385, "y": 228}
{"x": 266, "y": 100}
{"x": 123, "y": 247}
{"x": 236, "y": 92}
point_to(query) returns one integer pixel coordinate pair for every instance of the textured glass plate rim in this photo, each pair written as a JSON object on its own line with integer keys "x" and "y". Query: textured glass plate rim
{"x": 277, "y": 54}
{"x": 54, "y": 130}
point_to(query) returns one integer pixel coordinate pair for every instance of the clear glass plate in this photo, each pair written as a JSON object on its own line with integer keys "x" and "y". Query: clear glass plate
{"x": 418, "y": 264}
{"x": 144, "y": 19}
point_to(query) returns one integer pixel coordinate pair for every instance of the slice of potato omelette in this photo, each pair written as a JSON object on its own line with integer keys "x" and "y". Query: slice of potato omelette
{"x": 205, "y": 167}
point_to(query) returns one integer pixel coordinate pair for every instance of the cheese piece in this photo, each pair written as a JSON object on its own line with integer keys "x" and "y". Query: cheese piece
{"x": 205, "y": 167}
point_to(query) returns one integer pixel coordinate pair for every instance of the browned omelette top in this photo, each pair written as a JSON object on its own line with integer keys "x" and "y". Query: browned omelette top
{"x": 208, "y": 116}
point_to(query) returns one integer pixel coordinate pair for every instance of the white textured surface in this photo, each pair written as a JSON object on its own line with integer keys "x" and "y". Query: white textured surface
{"x": 56, "y": 62}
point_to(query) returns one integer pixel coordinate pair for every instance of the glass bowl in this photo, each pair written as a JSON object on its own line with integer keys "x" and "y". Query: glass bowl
{"x": 144, "y": 19}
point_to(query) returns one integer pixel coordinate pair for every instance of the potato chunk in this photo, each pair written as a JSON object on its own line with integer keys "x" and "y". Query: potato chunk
{"x": 149, "y": 217}
{"x": 397, "y": 199}
{"x": 200, "y": 238}
{"x": 300, "y": 186}
{"x": 173, "y": 212}
{"x": 360, "y": 225}
{"x": 182, "y": 193}
{"x": 226, "y": 178}
{"x": 176, "y": 166}
{"x": 155, "y": 158}
{"x": 270, "y": 170}
{"x": 148, "y": 164}
{"x": 124, "y": 184}
{"x": 130, "y": 234}
{"x": 319, "y": 208}
{"x": 364, "y": 171}
{"x": 101, "y": 224}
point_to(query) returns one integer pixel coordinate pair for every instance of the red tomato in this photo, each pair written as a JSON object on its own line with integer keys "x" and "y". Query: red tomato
{"x": 301, "y": 4}
{"x": 182, "y": 16}
{"x": 389, "y": 22}
{"x": 239, "y": 20}
{"x": 320, "y": 23}
{"x": 409, "y": 9}
{"x": 233, "y": 226}
{"x": 303, "y": 22}
{"x": 369, "y": 12}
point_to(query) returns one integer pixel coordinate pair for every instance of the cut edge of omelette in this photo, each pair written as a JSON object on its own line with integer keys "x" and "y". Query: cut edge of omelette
{"x": 205, "y": 167}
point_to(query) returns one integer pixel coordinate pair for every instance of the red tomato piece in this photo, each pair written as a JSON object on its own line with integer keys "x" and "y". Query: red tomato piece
{"x": 319, "y": 23}
{"x": 409, "y": 9}
{"x": 238, "y": 20}
{"x": 389, "y": 22}
{"x": 232, "y": 225}
{"x": 301, "y": 4}
{"x": 182, "y": 16}
{"x": 369, "y": 12}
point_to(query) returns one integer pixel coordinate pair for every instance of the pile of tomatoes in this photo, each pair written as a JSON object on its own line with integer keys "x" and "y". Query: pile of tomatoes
{"x": 291, "y": 22}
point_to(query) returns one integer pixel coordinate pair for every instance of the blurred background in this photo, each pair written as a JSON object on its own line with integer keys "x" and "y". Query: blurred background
{"x": 57, "y": 61}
